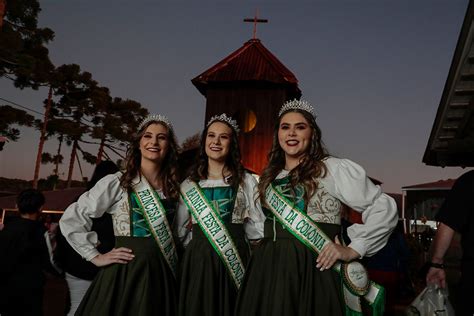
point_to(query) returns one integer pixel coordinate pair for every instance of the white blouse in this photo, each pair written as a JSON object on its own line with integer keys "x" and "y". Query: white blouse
{"x": 347, "y": 182}
{"x": 247, "y": 209}
{"x": 106, "y": 196}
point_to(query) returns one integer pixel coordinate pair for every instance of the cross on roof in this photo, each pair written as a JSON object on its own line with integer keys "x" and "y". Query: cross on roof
{"x": 255, "y": 20}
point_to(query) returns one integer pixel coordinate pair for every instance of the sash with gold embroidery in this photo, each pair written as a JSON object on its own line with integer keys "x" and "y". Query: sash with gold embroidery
{"x": 214, "y": 228}
{"x": 356, "y": 283}
{"x": 155, "y": 216}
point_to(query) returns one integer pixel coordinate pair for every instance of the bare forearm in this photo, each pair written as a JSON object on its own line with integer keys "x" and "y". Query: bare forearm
{"x": 441, "y": 243}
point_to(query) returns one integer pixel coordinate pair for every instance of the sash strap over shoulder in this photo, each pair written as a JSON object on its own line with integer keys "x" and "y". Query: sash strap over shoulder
{"x": 214, "y": 228}
{"x": 155, "y": 216}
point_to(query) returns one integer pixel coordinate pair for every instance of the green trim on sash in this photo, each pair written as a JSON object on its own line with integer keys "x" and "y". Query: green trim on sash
{"x": 308, "y": 232}
{"x": 223, "y": 199}
{"x": 215, "y": 230}
{"x": 293, "y": 195}
{"x": 155, "y": 215}
{"x": 140, "y": 227}
{"x": 277, "y": 203}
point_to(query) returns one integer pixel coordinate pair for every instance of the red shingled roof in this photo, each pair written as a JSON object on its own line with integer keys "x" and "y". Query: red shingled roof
{"x": 251, "y": 62}
{"x": 437, "y": 185}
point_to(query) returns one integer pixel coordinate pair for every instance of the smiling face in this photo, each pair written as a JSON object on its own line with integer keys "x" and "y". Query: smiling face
{"x": 294, "y": 135}
{"x": 218, "y": 139}
{"x": 154, "y": 143}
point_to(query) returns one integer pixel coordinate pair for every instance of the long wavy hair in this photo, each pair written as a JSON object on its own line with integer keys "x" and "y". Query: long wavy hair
{"x": 310, "y": 168}
{"x": 169, "y": 166}
{"x": 233, "y": 164}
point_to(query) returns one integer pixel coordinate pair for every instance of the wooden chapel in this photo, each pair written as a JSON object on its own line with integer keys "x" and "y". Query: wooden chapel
{"x": 251, "y": 85}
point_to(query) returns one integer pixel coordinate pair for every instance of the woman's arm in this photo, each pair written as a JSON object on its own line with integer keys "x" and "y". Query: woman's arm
{"x": 254, "y": 223}
{"x": 183, "y": 224}
{"x": 76, "y": 222}
{"x": 348, "y": 182}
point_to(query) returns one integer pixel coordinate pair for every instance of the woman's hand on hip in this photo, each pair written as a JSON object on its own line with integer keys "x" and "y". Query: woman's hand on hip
{"x": 117, "y": 255}
{"x": 332, "y": 252}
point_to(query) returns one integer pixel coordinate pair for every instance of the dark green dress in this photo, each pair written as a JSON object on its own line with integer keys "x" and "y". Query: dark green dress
{"x": 206, "y": 288}
{"x": 143, "y": 286}
{"x": 282, "y": 279}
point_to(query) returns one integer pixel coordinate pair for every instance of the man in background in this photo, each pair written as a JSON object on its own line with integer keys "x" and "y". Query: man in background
{"x": 25, "y": 257}
{"x": 456, "y": 215}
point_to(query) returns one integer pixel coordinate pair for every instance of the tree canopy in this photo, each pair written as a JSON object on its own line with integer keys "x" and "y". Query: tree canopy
{"x": 77, "y": 108}
{"x": 11, "y": 117}
{"x": 24, "y": 57}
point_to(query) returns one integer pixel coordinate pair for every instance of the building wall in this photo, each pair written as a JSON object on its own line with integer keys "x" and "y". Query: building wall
{"x": 264, "y": 100}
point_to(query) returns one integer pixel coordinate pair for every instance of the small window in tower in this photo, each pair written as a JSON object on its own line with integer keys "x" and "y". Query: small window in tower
{"x": 246, "y": 119}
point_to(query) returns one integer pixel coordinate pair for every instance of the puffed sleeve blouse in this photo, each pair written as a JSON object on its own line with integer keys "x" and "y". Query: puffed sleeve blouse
{"x": 348, "y": 182}
{"x": 106, "y": 196}
{"x": 247, "y": 210}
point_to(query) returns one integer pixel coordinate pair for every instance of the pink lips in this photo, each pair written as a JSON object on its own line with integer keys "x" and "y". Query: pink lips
{"x": 292, "y": 143}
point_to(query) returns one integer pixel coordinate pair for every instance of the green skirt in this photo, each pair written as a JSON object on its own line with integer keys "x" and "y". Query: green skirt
{"x": 144, "y": 286}
{"x": 206, "y": 288}
{"x": 282, "y": 278}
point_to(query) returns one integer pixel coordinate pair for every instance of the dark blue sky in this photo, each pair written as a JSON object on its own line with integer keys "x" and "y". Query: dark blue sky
{"x": 374, "y": 70}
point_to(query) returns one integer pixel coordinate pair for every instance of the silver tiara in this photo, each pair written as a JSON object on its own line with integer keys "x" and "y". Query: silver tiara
{"x": 155, "y": 118}
{"x": 224, "y": 118}
{"x": 297, "y": 105}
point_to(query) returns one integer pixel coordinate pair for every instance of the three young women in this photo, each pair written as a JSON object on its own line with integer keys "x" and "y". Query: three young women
{"x": 300, "y": 266}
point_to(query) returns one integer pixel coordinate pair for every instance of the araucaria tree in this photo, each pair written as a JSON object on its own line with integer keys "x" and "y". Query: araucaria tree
{"x": 11, "y": 117}
{"x": 115, "y": 123}
{"x": 23, "y": 55}
{"x": 75, "y": 90}
{"x": 24, "y": 58}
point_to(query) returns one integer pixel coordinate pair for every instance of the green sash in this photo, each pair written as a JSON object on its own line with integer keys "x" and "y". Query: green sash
{"x": 214, "y": 229}
{"x": 356, "y": 283}
{"x": 155, "y": 215}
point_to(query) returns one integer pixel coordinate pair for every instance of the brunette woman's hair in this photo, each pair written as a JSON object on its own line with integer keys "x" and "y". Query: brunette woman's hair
{"x": 169, "y": 167}
{"x": 232, "y": 163}
{"x": 310, "y": 168}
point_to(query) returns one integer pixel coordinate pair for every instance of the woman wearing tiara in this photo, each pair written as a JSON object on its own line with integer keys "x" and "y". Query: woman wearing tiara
{"x": 139, "y": 275}
{"x": 218, "y": 213}
{"x": 302, "y": 190}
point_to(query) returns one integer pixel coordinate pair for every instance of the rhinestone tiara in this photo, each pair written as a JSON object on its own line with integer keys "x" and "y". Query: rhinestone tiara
{"x": 155, "y": 118}
{"x": 224, "y": 118}
{"x": 297, "y": 105}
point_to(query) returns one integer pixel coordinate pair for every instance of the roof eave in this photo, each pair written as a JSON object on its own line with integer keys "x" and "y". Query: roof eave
{"x": 448, "y": 156}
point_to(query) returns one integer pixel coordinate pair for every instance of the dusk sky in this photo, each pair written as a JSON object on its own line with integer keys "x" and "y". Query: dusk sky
{"x": 374, "y": 69}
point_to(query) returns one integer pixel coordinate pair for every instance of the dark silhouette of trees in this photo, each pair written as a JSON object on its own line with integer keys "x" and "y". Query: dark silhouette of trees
{"x": 24, "y": 57}
{"x": 115, "y": 124}
{"x": 75, "y": 89}
{"x": 76, "y": 106}
{"x": 11, "y": 117}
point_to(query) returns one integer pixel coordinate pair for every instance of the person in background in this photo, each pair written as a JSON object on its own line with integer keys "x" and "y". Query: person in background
{"x": 79, "y": 272}
{"x": 25, "y": 258}
{"x": 456, "y": 215}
